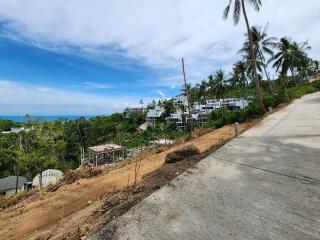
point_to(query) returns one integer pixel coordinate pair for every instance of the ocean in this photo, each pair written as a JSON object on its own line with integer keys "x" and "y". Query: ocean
{"x": 45, "y": 118}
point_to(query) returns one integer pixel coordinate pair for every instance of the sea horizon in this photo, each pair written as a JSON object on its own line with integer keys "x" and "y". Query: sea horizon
{"x": 23, "y": 118}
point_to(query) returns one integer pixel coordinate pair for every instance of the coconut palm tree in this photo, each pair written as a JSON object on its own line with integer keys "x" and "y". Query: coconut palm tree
{"x": 282, "y": 58}
{"x": 263, "y": 45}
{"x": 219, "y": 79}
{"x": 211, "y": 86}
{"x": 239, "y": 5}
{"x": 238, "y": 76}
{"x": 202, "y": 90}
{"x": 290, "y": 56}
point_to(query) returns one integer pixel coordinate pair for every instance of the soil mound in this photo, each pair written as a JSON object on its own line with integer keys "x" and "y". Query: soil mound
{"x": 182, "y": 154}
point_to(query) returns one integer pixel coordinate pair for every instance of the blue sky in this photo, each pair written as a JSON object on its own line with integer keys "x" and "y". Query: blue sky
{"x": 33, "y": 67}
{"x": 98, "y": 57}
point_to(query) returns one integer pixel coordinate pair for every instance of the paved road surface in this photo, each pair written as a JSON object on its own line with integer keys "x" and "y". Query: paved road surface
{"x": 264, "y": 184}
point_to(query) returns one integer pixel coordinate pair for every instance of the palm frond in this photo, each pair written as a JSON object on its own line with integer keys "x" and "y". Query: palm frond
{"x": 256, "y": 4}
{"x": 227, "y": 10}
{"x": 236, "y": 11}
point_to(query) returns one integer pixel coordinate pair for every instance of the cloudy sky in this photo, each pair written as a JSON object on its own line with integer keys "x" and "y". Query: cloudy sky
{"x": 97, "y": 57}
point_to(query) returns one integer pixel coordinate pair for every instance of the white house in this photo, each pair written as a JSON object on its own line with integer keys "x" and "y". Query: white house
{"x": 235, "y": 104}
{"x": 180, "y": 101}
{"x": 8, "y": 185}
{"x": 140, "y": 109}
{"x": 14, "y": 130}
{"x": 153, "y": 115}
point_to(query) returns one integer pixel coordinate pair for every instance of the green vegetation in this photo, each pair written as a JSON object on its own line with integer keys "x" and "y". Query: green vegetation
{"x": 57, "y": 144}
{"x": 223, "y": 116}
{"x": 6, "y": 125}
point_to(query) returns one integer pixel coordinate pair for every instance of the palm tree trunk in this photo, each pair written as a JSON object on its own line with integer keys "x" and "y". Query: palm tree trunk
{"x": 188, "y": 99}
{"x": 254, "y": 62}
{"x": 268, "y": 78}
{"x": 266, "y": 73}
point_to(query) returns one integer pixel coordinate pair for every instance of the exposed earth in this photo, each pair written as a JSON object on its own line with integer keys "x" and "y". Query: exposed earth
{"x": 77, "y": 210}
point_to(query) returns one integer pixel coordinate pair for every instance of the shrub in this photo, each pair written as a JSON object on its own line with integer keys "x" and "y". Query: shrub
{"x": 316, "y": 85}
{"x": 269, "y": 101}
{"x": 217, "y": 123}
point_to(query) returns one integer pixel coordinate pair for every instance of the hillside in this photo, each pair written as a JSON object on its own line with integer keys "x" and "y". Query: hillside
{"x": 76, "y": 209}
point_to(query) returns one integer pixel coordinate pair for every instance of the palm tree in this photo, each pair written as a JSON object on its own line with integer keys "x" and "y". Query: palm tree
{"x": 238, "y": 76}
{"x": 211, "y": 86}
{"x": 290, "y": 56}
{"x": 202, "y": 92}
{"x": 220, "y": 81}
{"x": 238, "y": 6}
{"x": 283, "y": 57}
{"x": 262, "y": 45}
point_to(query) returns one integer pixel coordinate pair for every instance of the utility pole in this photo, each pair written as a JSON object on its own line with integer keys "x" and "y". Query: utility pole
{"x": 17, "y": 167}
{"x": 188, "y": 99}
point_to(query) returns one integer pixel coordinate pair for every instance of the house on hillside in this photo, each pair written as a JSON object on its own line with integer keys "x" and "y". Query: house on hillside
{"x": 180, "y": 101}
{"x": 154, "y": 115}
{"x": 201, "y": 112}
{"x": 8, "y": 185}
{"x": 235, "y": 104}
{"x": 14, "y": 130}
{"x": 106, "y": 154}
{"x": 131, "y": 110}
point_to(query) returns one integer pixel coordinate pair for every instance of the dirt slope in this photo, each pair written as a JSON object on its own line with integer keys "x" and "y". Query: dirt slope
{"x": 52, "y": 214}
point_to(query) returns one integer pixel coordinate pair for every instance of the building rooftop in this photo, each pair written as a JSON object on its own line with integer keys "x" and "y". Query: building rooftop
{"x": 105, "y": 148}
{"x": 8, "y": 183}
{"x": 157, "y": 112}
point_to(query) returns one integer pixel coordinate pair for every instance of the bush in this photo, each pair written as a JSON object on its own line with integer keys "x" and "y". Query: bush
{"x": 269, "y": 101}
{"x": 217, "y": 123}
{"x": 221, "y": 117}
{"x": 316, "y": 85}
{"x": 298, "y": 92}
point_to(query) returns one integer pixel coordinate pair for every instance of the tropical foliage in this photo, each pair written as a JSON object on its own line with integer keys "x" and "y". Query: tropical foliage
{"x": 57, "y": 144}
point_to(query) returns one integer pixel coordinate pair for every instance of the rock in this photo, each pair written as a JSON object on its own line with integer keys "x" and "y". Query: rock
{"x": 182, "y": 154}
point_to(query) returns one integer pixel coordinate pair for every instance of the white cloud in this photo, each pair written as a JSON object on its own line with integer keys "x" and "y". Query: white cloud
{"x": 17, "y": 98}
{"x": 88, "y": 84}
{"x": 155, "y": 33}
{"x": 161, "y": 93}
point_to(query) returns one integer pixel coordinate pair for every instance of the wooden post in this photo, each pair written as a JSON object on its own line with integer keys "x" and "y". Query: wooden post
{"x": 188, "y": 99}
{"x": 17, "y": 168}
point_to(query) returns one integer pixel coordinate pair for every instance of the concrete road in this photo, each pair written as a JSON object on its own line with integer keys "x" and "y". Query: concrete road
{"x": 264, "y": 184}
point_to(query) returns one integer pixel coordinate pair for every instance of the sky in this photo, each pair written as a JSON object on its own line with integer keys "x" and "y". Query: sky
{"x": 89, "y": 57}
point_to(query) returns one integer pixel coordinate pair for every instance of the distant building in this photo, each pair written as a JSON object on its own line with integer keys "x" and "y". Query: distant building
{"x": 8, "y": 185}
{"x": 180, "y": 101}
{"x": 14, "y": 130}
{"x": 49, "y": 176}
{"x": 200, "y": 112}
{"x": 235, "y": 104}
{"x": 177, "y": 119}
{"x": 135, "y": 110}
{"x": 213, "y": 104}
{"x": 154, "y": 115}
